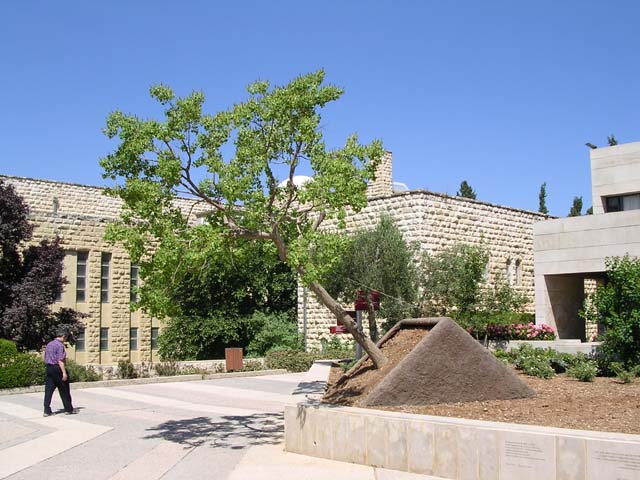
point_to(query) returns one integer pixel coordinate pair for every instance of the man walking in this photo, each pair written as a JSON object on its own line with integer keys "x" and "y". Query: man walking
{"x": 57, "y": 377}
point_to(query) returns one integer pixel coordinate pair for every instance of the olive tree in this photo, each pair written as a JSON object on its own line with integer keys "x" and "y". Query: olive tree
{"x": 241, "y": 164}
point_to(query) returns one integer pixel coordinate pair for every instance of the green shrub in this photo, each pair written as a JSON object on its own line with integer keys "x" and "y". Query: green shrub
{"x": 126, "y": 369}
{"x": 346, "y": 365}
{"x": 536, "y": 367}
{"x": 618, "y": 309}
{"x": 192, "y": 370}
{"x": 81, "y": 373}
{"x": 252, "y": 365}
{"x": 167, "y": 369}
{"x": 23, "y": 370}
{"x": 584, "y": 371}
{"x": 8, "y": 350}
{"x": 544, "y": 363}
{"x": 626, "y": 376}
{"x": 335, "y": 348}
{"x": 622, "y": 374}
{"x": 278, "y": 331}
{"x": 290, "y": 359}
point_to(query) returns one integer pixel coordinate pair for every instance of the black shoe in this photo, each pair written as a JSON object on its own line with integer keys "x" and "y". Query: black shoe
{"x": 47, "y": 414}
{"x": 71, "y": 412}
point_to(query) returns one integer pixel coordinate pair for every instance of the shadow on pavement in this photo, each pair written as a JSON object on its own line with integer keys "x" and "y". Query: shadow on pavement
{"x": 235, "y": 432}
{"x": 317, "y": 386}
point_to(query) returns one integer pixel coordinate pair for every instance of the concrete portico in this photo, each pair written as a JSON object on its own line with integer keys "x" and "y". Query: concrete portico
{"x": 569, "y": 250}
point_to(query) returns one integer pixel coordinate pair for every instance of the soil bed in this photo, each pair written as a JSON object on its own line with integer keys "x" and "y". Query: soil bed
{"x": 603, "y": 405}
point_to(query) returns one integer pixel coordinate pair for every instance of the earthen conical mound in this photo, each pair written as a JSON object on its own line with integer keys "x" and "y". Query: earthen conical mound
{"x": 448, "y": 366}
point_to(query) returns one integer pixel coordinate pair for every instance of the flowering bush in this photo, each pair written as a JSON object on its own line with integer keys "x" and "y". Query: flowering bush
{"x": 516, "y": 331}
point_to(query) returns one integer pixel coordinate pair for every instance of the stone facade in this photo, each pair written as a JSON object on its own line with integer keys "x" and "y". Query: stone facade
{"x": 79, "y": 215}
{"x": 437, "y": 221}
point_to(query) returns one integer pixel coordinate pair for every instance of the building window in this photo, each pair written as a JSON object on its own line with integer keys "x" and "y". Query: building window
{"x": 518, "y": 273}
{"x": 80, "y": 342}
{"x": 133, "y": 338}
{"x": 133, "y": 286}
{"x": 81, "y": 276}
{"x": 507, "y": 272}
{"x": 622, "y": 203}
{"x": 104, "y": 339}
{"x": 104, "y": 277}
{"x": 485, "y": 273}
{"x": 154, "y": 337}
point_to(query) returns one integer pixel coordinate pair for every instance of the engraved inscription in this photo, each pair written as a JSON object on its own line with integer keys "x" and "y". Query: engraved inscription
{"x": 528, "y": 450}
{"x": 527, "y": 457}
{"x": 624, "y": 461}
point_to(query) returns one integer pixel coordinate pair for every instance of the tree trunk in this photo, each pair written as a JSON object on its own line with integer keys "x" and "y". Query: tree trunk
{"x": 376, "y": 356}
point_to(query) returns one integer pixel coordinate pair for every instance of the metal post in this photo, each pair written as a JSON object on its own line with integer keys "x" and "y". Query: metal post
{"x": 359, "y": 323}
{"x": 304, "y": 317}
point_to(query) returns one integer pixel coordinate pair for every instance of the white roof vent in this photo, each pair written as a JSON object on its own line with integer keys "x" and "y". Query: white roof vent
{"x": 298, "y": 181}
{"x": 400, "y": 187}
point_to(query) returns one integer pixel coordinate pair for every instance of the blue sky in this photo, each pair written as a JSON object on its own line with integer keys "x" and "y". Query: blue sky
{"x": 503, "y": 94}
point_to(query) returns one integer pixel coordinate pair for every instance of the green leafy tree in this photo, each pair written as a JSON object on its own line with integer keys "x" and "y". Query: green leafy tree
{"x": 542, "y": 199}
{"x": 466, "y": 190}
{"x": 452, "y": 280}
{"x": 209, "y": 291}
{"x": 576, "y": 207}
{"x": 617, "y": 304}
{"x": 378, "y": 260}
{"x": 611, "y": 140}
{"x": 589, "y": 211}
{"x": 270, "y": 136}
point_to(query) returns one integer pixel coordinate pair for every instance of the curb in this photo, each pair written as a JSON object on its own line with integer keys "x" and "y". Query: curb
{"x": 145, "y": 381}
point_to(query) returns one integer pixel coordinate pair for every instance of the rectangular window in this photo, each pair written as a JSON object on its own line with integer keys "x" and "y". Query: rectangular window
{"x": 80, "y": 342}
{"x": 104, "y": 277}
{"x": 133, "y": 338}
{"x": 104, "y": 339}
{"x": 622, "y": 203}
{"x": 81, "y": 276}
{"x": 631, "y": 202}
{"x": 133, "y": 287}
{"x": 154, "y": 337}
{"x": 613, "y": 204}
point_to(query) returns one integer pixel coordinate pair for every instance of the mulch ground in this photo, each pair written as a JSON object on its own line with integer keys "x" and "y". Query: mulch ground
{"x": 603, "y": 405}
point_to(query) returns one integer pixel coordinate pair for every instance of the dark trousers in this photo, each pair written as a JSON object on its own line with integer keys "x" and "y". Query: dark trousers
{"x": 53, "y": 381}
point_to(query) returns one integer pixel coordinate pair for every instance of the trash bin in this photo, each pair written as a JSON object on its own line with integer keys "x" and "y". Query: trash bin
{"x": 233, "y": 359}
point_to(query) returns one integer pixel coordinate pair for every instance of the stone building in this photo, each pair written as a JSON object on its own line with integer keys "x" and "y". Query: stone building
{"x": 100, "y": 275}
{"x": 437, "y": 221}
{"x": 570, "y": 252}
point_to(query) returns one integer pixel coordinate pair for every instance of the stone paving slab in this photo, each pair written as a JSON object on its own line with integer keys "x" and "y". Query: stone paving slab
{"x": 147, "y": 380}
{"x": 150, "y": 431}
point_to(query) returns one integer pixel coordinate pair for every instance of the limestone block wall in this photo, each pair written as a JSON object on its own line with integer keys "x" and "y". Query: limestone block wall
{"x": 79, "y": 215}
{"x": 437, "y": 221}
{"x": 85, "y": 234}
{"x": 61, "y": 198}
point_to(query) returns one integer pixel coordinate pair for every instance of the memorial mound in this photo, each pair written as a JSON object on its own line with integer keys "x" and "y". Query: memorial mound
{"x": 431, "y": 361}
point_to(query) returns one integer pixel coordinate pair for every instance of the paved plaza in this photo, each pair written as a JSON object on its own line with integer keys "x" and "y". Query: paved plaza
{"x": 221, "y": 429}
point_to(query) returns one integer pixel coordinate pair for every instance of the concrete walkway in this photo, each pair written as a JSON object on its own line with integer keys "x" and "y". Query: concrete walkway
{"x": 223, "y": 429}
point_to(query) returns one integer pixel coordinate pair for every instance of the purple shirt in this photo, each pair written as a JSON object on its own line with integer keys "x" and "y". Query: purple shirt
{"x": 54, "y": 351}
